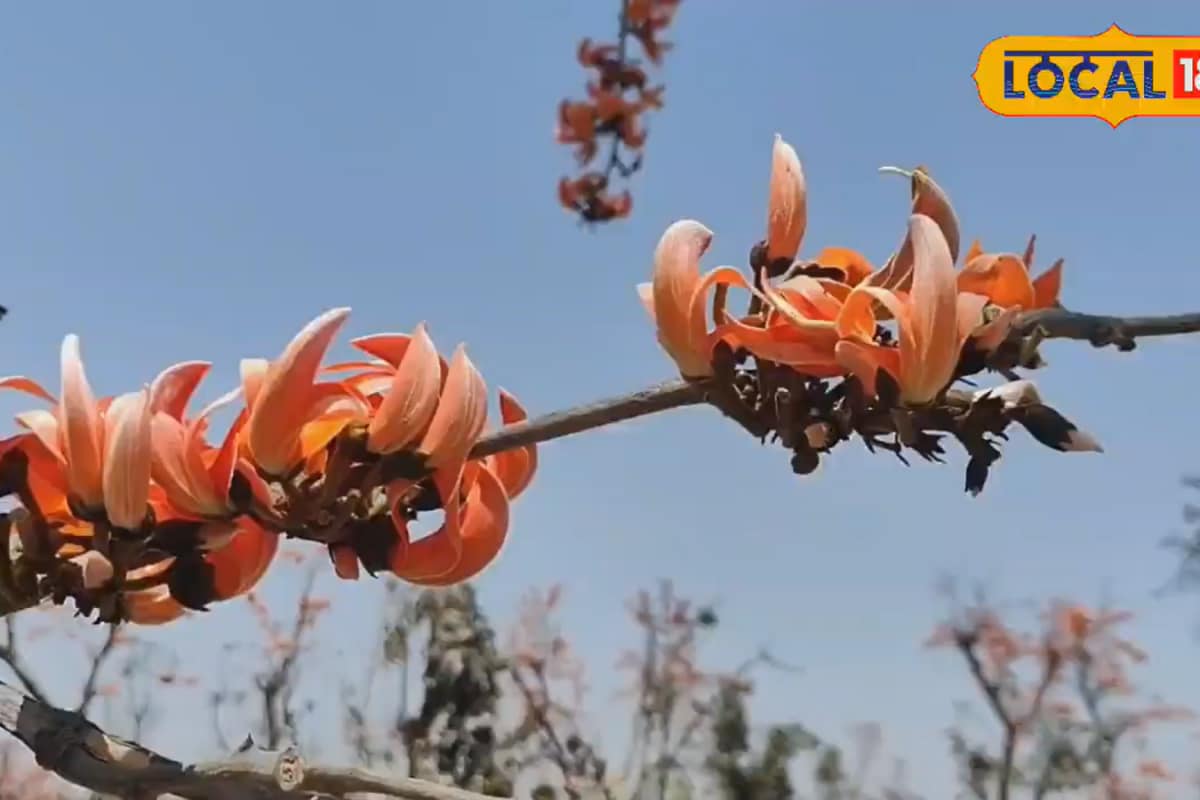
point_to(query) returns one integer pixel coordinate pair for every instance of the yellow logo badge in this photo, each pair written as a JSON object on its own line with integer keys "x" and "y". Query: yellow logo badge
{"x": 1113, "y": 75}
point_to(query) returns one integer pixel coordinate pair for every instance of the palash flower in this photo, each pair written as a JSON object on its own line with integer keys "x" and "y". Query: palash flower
{"x": 420, "y": 403}
{"x": 99, "y": 450}
{"x": 1004, "y": 278}
{"x": 933, "y": 318}
{"x": 195, "y": 480}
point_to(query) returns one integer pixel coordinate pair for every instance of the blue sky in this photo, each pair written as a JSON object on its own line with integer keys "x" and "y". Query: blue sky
{"x": 193, "y": 180}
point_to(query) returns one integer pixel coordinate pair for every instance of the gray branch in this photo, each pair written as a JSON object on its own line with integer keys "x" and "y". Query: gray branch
{"x": 79, "y": 752}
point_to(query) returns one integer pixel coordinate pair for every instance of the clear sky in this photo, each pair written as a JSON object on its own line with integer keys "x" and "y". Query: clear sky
{"x": 197, "y": 180}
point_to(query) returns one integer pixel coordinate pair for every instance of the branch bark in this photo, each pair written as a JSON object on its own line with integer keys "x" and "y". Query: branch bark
{"x": 67, "y": 744}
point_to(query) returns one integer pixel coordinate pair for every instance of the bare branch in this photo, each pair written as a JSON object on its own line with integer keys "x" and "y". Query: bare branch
{"x": 78, "y": 751}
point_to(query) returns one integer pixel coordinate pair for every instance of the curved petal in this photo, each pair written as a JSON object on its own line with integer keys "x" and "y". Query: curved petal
{"x": 513, "y": 468}
{"x": 82, "y": 428}
{"x": 127, "y": 458}
{"x": 172, "y": 390}
{"x": 239, "y": 565}
{"x": 676, "y": 275}
{"x": 169, "y": 465}
{"x": 933, "y": 313}
{"x": 1000, "y": 277}
{"x": 1048, "y": 286}
{"x": 853, "y": 264}
{"x": 460, "y": 416}
{"x": 484, "y": 531}
{"x": 820, "y": 330}
{"x": 388, "y": 347}
{"x": 44, "y": 425}
{"x": 441, "y": 551}
{"x": 20, "y": 383}
{"x": 253, "y": 371}
{"x": 930, "y": 200}
{"x": 283, "y": 400}
{"x": 412, "y": 399}
{"x": 787, "y": 206}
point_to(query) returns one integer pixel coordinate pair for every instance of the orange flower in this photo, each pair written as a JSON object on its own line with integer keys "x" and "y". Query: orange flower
{"x": 99, "y": 450}
{"x": 1004, "y": 278}
{"x": 438, "y": 410}
{"x": 676, "y": 296}
{"x": 934, "y": 321}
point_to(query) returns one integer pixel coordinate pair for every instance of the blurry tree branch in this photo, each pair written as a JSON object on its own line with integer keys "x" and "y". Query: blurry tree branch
{"x": 70, "y": 746}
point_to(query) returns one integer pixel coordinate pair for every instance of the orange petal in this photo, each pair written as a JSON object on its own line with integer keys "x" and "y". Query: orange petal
{"x": 676, "y": 276}
{"x": 787, "y": 206}
{"x": 389, "y": 347}
{"x": 169, "y": 465}
{"x": 1048, "y": 286}
{"x": 44, "y": 425}
{"x": 239, "y": 565}
{"x": 82, "y": 427}
{"x": 412, "y": 399}
{"x": 219, "y": 472}
{"x": 853, "y": 264}
{"x": 127, "y": 460}
{"x": 28, "y": 386}
{"x": 282, "y": 403}
{"x": 819, "y": 330}
{"x": 441, "y": 551}
{"x": 172, "y": 390}
{"x": 933, "y": 310}
{"x": 930, "y": 200}
{"x": 1000, "y": 277}
{"x": 514, "y": 468}
{"x": 973, "y": 252}
{"x": 460, "y": 416}
{"x": 484, "y": 531}
{"x": 253, "y": 371}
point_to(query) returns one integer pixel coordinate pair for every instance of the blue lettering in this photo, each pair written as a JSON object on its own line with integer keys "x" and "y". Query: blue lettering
{"x": 1009, "y": 92}
{"x": 1046, "y": 65}
{"x": 1084, "y": 66}
{"x": 1148, "y": 90}
{"x": 1121, "y": 80}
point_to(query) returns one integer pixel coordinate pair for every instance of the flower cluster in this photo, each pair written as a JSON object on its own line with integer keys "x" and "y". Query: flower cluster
{"x": 127, "y": 508}
{"x": 618, "y": 96}
{"x": 832, "y": 345}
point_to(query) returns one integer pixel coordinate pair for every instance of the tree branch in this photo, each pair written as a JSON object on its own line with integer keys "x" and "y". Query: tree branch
{"x": 78, "y": 751}
{"x": 1053, "y": 323}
